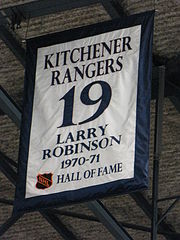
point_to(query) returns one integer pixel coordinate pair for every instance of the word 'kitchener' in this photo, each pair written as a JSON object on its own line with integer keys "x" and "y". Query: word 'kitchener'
{"x": 80, "y": 62}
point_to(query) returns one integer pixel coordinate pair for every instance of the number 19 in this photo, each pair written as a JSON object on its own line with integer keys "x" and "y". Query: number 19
{"x": 68, "y": 98}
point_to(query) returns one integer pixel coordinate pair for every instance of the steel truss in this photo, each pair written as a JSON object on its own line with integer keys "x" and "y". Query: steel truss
{"x": 12, "y": 17}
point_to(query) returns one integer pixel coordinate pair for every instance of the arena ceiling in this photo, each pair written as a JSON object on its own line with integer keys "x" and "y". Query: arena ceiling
{"x": 20, "y": 20}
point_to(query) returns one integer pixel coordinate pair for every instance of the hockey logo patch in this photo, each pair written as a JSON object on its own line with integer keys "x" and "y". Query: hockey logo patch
{"x": 44, "y": 181}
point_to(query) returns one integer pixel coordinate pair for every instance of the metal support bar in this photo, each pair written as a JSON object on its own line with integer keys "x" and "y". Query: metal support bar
{"x": 12, "y": 162}
{"x": 7, "y": 170}
{"x": 8, "y": 106}
{"x": 119, "y": 9}
{"x": 167, "y": 211}
{"x": 175, "y": 235}
{"x": 41, "y": 8}
{"x": 44, "y": 7}
{"x": 176, "y": 101}
{"x": 111, "y": 10}
{"x": 9, "y": 160}
{"x": 3, "y": 18}
{"x": 12, "y": 44}
{"x": 142, "y": 202}
{"x": 175, "y": 97}
{"x": 157, "y": 151}
{"x": 12, "y": 176}
{"x": 108, "y": 220}
{"x": 124, "y": 224}
{"x": 95, "y": 219}
{"x": 9, "y": 223}
{"x": 6, "y": 201}
{"x": 74, "y": 215}
{"x": 169, "y": 198}
{"x": 58, "y": 225}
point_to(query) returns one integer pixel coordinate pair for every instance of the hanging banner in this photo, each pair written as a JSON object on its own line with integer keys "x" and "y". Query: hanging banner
{"x": 85, "y": 124}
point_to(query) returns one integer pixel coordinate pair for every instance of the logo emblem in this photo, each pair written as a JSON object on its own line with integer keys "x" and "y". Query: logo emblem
{"x": 44, "y": 181}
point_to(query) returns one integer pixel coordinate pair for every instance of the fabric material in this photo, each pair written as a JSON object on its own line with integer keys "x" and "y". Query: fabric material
{"x": 85, "y": 124}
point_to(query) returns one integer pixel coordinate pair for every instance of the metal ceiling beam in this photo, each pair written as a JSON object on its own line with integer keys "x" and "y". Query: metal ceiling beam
{"x": 114, "y": 8}
{"x": 3, "y": 18}
{"x": 9, "y": 160}
{"x": 58, "y": 225}
{"x": 6, "y": 201}
{"x": 124, "y": 224}
{"x": 142, "y": 202}
{"x": 157, "y": 150}
{"x": 10, "y": 40}
{"x": 9, "y": 107}
{"x": 6, "y": 169}
{"x": 9, "y": 223}
{"x": 110, "y": 8}
{"x": 74, "y": 215}
{"x": 176, "y": 102}
{"x": 12, "y": 44}
{"x": 9, "y": 172}
{"x": 175, "y": 99}
{"x": 169, "y": 198}
{"x": 108, "y": 220}
{"x": 45, "y": 7}
{"x": 172, "y": 78}
{"x": 175, "y": 235}
{"x": 167, "y": 211}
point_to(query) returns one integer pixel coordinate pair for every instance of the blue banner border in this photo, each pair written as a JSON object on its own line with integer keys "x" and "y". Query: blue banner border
{"x": 140, "y": 180}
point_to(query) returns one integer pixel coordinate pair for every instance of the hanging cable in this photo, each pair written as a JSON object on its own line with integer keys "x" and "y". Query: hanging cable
{"x": 27, "y": 28}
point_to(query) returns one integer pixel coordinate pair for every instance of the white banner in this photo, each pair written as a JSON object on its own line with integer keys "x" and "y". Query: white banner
{"x": 84, "y": 113}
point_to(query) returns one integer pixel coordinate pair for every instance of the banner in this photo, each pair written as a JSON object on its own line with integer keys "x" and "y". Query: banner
{"x": 85, "y": 124}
